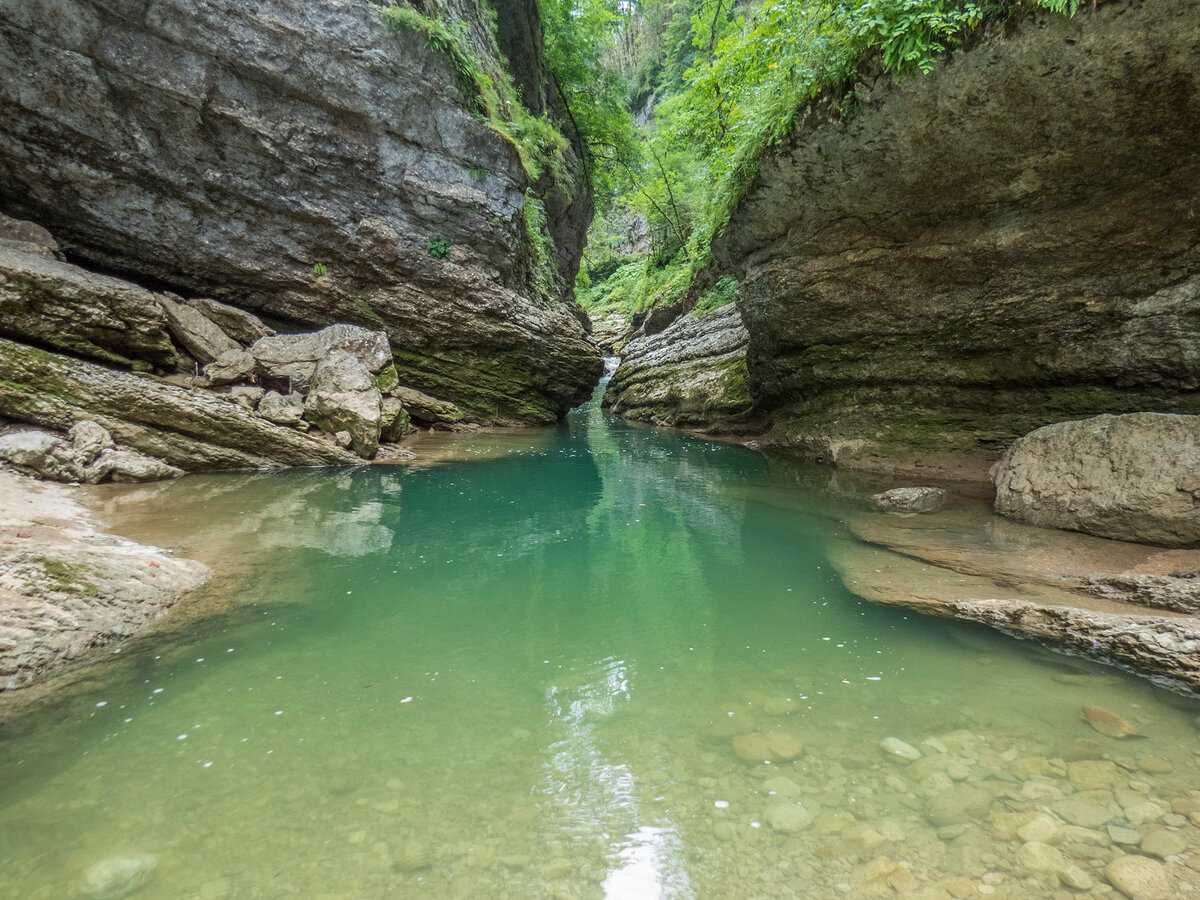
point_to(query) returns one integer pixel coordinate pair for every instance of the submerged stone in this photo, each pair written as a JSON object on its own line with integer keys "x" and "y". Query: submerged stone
{"x": 119, "y": 876}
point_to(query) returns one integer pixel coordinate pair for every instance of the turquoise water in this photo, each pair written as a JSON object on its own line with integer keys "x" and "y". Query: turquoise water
{"x": 523, "y": 677}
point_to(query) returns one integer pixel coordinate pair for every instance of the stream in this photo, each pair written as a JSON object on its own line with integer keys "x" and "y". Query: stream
{"x": 591, "y": 661}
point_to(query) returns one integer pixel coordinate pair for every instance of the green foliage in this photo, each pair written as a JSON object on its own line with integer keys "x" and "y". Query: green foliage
{"x": 542, "y": 246}
{"x": 320, "y": 270}
{"x": 580, "y": 36}
{"x": 439, "y": 248}
{"x": 720, "y": 294}
{"x": 733, "y": 76}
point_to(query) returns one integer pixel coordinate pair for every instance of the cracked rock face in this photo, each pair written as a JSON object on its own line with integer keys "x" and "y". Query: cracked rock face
{"x": 974, "y": 254}
{"x": 297, "y": 159}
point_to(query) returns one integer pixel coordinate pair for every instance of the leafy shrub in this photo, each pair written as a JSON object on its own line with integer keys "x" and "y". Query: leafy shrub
{"x": 439, "y": 248}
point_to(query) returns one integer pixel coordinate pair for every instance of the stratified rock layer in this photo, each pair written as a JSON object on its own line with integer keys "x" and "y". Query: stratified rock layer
{"x": 944, "y": 263}
{"x": 1131, "y": 478}
{"x": 300, "y": 159}
{"x": 193, "y": 430}
{"x": 691, "y": 374}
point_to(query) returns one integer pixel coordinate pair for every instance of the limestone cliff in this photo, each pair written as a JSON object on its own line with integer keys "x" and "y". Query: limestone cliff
{"x": 933, "y": 266}
{"x": 306, "y": 161}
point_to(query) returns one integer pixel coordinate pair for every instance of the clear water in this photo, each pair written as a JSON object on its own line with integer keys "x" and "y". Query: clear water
{"x": 522, "y": 677}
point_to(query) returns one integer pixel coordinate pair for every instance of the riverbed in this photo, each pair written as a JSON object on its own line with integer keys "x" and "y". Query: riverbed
{"x": 591, "y": 661}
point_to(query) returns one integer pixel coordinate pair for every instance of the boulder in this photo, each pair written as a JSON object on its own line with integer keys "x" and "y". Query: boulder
{"x": 788, "y": 816}
{"x": 343, "y": 398}
{"x": 130, "y": 466}
{"x": 89, "y": 456}
{"x": 63, "y": 307}
{"x": 89, "y": 440}
{"x": 1131, "y": 477}
{"x": 1139, "y": 878}
{"x": 394, "y": 421}
{"x": 910, "y": 500}
{"x": 118, "y": 876}
{"x": 43, "y": 453}
{"x": 192, "y": 430}
{"x": 244, "y": 327}
{"x": 195, "y": 332}
{"x": 290, "y": 360}
{"x": 231, "y": 367}
{"x": 425, "y": 409}
{"x": 282, "y": 409}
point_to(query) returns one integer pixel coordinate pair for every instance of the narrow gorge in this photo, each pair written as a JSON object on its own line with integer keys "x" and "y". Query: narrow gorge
{"x": 600, "y": 449}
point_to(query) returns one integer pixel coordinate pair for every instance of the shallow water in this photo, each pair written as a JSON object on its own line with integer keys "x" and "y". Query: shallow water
{"x": 522, "y": 677}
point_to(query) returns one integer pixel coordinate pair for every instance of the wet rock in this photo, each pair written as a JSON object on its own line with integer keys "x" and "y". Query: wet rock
{"x": 394, "y": 422}
{"x": 1121, "y": 834}
{"x": 282, "y": 409}
{"x": 910, "y": 500}
{"x": 89, "y": 439}
{"x": 426, "y": 409}
{"x": 1155, "y": 765}
{"x": 1180, "y": 594}
{"x": 1075, "y": 877}
{"x": 290, "y": 360}
{"x": 959, "y": 804}
{"x": 231, "y": 367}
{"x": 1163, "y": 843}
{"x": 1038, "y": 857}
{"x": 119, "y": 876}
{"x": 774, "y": 746}
{"x": 1129, "y": 477}
{"x": 343, "y": 397}
{"x": 787, "y": 816}
{"x": 1093, "y": 774}
{"x": 130, "y": 466}
{"x": 244, "y": 327}
{"x": 195, "y": 332}
{"x": 898, "y": 749}
{"x": 782, "y": 786}
{"x": 1041, "y": 829}
{"x": 1139, "y": 878}
{"x": 1081, "y": 811}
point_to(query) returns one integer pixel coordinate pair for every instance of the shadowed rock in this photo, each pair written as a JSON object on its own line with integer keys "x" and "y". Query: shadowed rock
{"x": 982, "y": 251}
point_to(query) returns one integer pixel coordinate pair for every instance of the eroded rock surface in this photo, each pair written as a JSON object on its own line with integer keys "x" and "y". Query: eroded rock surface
{"x": 1132, "y": 478}
{"x": 1109, "y": 600}
{"x": 692, "y": 374}
{"x": 193, "y": 430}
{"x": 300, "y": 160}
{"x": 67, "y": 588}
{"x": 977, "y": 253}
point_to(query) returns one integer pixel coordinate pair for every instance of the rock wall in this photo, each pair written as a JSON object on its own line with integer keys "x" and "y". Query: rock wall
{"x": 940, "y": 264}
{"x": 305, "y": 161}
{"x": 692, "y": 374}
